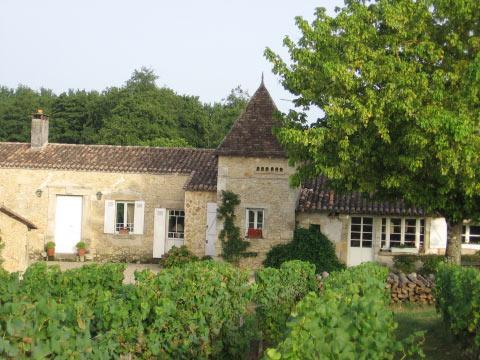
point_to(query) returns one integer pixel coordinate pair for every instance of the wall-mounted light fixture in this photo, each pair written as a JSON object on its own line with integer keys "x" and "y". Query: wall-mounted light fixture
{"x": 99, "y": 195}
{"x": 39, "y": 192}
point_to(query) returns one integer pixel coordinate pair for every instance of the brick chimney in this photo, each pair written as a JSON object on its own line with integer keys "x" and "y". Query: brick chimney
{"x": 39, "y": 135}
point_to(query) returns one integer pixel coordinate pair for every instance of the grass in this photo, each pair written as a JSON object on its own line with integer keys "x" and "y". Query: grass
{"x": 439, "y": 343}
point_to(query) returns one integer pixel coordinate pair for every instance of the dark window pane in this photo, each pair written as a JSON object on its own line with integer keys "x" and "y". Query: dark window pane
{"x": 394, "y": 243}
{"x": 355, "y": 243}
{"x": 355, "y": 228}
{"x": 120, "y": 213}
{"x": 355, "y": 235}
{"x": 410, "y": 222}
{"x": 367, "y": 236}
{"x": 474, "y": 230}
{"x": 251, "y": 216}
{"x": 366, "y": 244}
{"x": 260, "y": 217}
{"x": 474, "y": 239}
{"x": 367, "y": 228}
{"x": 356, "y": 220}
{"x": 368, "y": 220}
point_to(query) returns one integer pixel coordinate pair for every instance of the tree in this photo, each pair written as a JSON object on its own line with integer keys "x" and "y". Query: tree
{"x": 399, "y": 84}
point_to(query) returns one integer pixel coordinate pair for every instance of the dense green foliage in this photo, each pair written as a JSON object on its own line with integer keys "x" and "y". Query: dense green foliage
{"x": 278, "y": 290}
{"x": 307, "y": 245}
{"x": 427, "y": 264}
{"x": 234, "y": 247}
{"x": 138, "y": 113}
{"x": 457, "y": 291}
{"x": 196, "y": 311}
{"x": 430, "y": 264}
{"x": 398, "y": 83}
{"x": 405, "y": 263}
{"x": 177, "y": 256}
{"x": 350, "y": 319}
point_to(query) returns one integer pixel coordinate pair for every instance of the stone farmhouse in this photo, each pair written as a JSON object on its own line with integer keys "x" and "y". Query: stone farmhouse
{"x": 130, "y": 203}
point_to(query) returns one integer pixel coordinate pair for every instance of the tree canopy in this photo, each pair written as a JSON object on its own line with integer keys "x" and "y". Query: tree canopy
{"x": 398, "y": 82}
{"x": 137, "y": 113}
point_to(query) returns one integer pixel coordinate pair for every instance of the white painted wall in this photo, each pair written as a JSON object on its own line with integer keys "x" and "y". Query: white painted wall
{"x": 330, "y": 226}
{"x": 438, "y": 233}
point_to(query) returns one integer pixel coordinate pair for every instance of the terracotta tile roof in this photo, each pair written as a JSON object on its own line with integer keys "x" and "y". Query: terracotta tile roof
{"x": 202, "y": 180}
{"x": 251, "y": 134}
{"x": 316, "y": 196}
{"x": 17, "y": 217}
{"x": 106, "y": 158}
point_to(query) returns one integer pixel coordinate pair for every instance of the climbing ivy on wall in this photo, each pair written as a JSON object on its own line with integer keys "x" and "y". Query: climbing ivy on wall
{"x": 233, "y": 246}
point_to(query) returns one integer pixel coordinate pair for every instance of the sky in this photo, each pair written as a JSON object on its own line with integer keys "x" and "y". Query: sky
{"x": 203, "y": 48}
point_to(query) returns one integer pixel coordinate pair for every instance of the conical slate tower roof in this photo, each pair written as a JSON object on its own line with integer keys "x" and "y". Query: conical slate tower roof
{"x": 251, "y": 134}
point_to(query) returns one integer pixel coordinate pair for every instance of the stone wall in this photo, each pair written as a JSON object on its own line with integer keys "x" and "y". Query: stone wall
{"x": 19, "y": 189}
{"x": 196, "y": 219}
{"x": 14, "y": 236}
{"x": 268, "y": 190}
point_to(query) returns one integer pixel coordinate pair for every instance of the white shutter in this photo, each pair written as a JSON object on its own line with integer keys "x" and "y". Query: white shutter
{"x": 138, "y": 217}
{"x": 159, "y": 232}
{"x": 211, "y": 232}
{"x": 109, "y": 219}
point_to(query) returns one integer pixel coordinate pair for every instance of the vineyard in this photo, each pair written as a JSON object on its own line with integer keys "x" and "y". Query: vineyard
{"x": 199, "y": 310}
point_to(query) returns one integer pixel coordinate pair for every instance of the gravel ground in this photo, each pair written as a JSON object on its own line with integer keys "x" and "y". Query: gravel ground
{"x": 129, "y": 271}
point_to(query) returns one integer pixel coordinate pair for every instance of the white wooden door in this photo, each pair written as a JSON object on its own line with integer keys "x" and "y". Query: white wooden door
{"x": 68, "y": 223}
{"x": 211, "y": 232}
{"x": 360, "y": 241}
{"x": 159, "y": 232}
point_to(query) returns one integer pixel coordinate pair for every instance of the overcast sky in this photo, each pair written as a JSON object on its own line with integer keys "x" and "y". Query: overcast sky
{"x": 202, "y": 48}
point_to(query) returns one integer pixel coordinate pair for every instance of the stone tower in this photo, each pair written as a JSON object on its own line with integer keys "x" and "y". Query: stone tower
{"x": 253, "y": 164}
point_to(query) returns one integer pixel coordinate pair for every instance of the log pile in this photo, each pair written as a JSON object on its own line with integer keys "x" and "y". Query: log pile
{"x": 413, "y": 288}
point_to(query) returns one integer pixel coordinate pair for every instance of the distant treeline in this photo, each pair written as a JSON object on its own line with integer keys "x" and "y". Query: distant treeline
{"x": 138, "y": 113}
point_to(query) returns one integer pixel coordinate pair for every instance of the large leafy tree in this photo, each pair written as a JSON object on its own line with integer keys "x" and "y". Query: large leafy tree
{"x": 138, "y": 113}
{"x": 398, "y": 82}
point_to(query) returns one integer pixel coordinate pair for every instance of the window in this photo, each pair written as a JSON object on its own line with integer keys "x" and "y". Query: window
{"x": 402, "y": 232}
{"x": 176, "y": 224}
{"x": 361, "y": 232}
{"x": 471, "y": 234}
{"x": 255, "y": 223}
{"x": 124, "y": 218}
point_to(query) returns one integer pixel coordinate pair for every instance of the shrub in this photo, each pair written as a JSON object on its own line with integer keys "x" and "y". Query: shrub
{"x": 81, "y": 245}
{"x": 177, "y": 256}
{"x": 50, "y": 245}
{"x": 278, "y": 290}
{"x": 349, "y": 320}
{"x": 457, "y": 291}
{"x": 430, "y": 264}
{"x": 307, "y": 245}
{"x": 196, "y": 311}
{"x": 405, "y": 263}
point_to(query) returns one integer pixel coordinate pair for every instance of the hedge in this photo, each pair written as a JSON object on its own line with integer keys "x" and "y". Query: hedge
{"x": 307, "y": 245}
{"x": 457, "y": 291}
{"x": 278, "y": 290}
{"x": 350, "y": 319}
{"x": 199, "y": 310}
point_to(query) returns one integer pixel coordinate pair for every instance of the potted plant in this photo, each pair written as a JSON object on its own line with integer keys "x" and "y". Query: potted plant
{"x": 50, "y": 249}
{"x": 124, "y": 231}
{"x": 254, "y": 233}
{"x": 81, "y": 248}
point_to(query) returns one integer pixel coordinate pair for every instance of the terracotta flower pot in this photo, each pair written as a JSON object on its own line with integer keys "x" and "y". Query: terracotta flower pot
{"x": 51, "y": 252}
{"x": 81, "y": 252}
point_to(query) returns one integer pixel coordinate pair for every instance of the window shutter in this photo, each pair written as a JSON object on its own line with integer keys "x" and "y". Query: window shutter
{"x": 109, "y": 219}
{"x": 138, "y": 217}
{"x": 159, "y": 232}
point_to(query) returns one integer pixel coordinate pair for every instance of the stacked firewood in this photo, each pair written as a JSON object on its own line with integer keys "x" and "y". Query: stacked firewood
{"x": 413, "y": 288}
